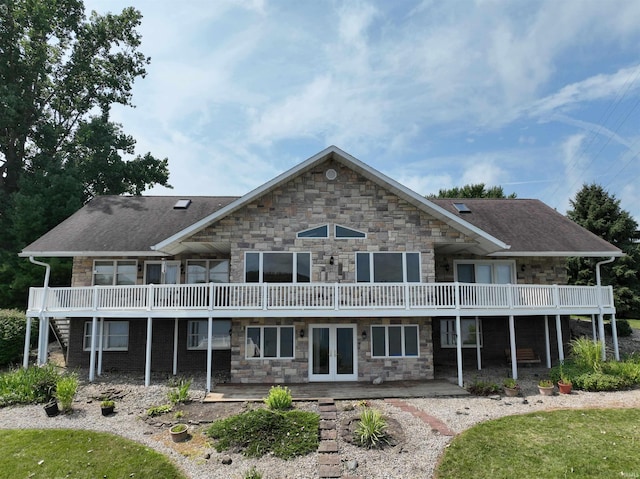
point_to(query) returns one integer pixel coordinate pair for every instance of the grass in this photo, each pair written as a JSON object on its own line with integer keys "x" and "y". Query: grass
{"x": 62, "y": 453}
{"x": 634, "y": 323}
{"x": 550, "y": 445}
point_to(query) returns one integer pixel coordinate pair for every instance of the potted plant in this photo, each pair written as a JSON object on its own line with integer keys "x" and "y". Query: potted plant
{"x": 51, "y": 408}
{"x": 511, "y": 387}
{"x": 179, "y": 432}
{"x": 107, "y": 406}
{"x": 565, "y": 385}
{"x": 545, "y": 386}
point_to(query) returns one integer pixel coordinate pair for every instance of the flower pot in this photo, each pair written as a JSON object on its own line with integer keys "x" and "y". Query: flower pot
{"x": 546, "y": 390}
{"x": 565, "y": 388}
{"x": 51, "y": 408}
{"x": 179, "y": 432}
{"x": 511, "y": 392}
{"x": 107, "y": 410}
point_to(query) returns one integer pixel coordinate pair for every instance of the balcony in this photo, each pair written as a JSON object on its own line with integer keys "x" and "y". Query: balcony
{"x": 319, "y": 300}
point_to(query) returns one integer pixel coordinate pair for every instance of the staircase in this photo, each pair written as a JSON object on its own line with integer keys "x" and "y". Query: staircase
{"x": 60, "y": 328}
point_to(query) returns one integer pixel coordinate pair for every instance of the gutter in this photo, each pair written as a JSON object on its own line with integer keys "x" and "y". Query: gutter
{"x": 41, "y": 317}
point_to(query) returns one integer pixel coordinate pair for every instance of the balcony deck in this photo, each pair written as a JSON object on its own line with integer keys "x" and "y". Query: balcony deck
{"x": 319, "y": 300}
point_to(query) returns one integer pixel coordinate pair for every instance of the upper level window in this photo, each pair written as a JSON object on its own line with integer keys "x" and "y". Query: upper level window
{"x": 344, "y": 232}
{"x": 388, "y": 267}
{"x": 110, "y": 272}
{"x": 277, "y": 267}
{"x": 208, "y": 271}
{"x": 318, "y": 232}
{"x": 489, "y": 272}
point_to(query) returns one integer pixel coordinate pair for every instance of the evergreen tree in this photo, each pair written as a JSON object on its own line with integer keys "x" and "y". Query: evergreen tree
{"x": 478, "y": 190}
{"x": 598, "y": 211}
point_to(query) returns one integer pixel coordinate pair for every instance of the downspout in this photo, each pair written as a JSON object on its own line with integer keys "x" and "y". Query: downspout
{"x": 42, "y": 358}
{"x": 601, "y": 315}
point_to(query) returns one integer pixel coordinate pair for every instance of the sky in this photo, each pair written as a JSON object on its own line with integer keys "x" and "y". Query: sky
{"x": 536, "y": 96}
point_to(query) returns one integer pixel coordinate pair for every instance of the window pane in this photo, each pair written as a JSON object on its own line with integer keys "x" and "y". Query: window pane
{"x": 221, "y": 333}
{"x": 270, "y": 343}
{"x": 411, "y": 340}
{"x": 342, "y": 232}
{"x": 378, "y": 341}
{"x": 253, "y": 343}
{"x": 127, "y": 272}
{"x": 363, "y": 274}
{"x": 319, "y": 232}
{"x": 277, "y": 267}
{"x": 483, "y": 273}
{"x": 286, "y": 342}
{"x": 103, "y": 273}
{"x": 387, "y": 267}
{"x": 395, "y": 340}
{"x": 503, "y": 273}
{"x": 466, "y": 273}
{"x": 219, "y": 271}
{"x": 303, "y": 265}
{"x": 153, "y": 273}
{"x": 196, "y": 272}
{"x": 344, "y": 350}
{"x": 413, "y": 267}
{"x": 252, "y": 268}
{"x": 116, "y": 334}
{"x": 468, "y": 332}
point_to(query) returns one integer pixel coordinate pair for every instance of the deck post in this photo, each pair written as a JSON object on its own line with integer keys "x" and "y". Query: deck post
{"x": 601, "y": 335}
{"x": 459, "y": 349}
{"x": 40, "y": 339}
{"x": 100, "y": 346}
{"x": 614, "y": 336}
{"x": 209, "y": 352}
{"x": 27, "y": 343}
{"x": 175, "y": 346}
{"x": 92, "y": 359}
{"x": 512, "y": 342}
{"x": 147, "y": 365}
{"x": 547, "y": 342}
{"x": 559, "y": 338}
{"x": 593, "y": 327}
{"x": 478, "y": 350}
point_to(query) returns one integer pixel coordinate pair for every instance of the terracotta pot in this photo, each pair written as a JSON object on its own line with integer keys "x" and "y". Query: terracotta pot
{"x": 511, "y": 392}
{"x": 546, "y": 390}
{"x": 564, "y": 388}
{"x": 179, "y": 435}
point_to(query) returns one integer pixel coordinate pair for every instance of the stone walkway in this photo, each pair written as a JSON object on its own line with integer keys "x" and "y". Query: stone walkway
{"x": 329, "y": 460}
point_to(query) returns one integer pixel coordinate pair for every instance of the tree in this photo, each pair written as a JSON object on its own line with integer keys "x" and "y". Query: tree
{"x": 60, "y": 75}
{"x": 598, "y": 211}
{"x": 474, "y": 191}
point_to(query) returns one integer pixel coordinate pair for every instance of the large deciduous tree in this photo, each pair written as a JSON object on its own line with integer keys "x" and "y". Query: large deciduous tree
{"x": 60, "y": 75}
{"x": 598, "y": 211}
{"x": 478, "y": 190}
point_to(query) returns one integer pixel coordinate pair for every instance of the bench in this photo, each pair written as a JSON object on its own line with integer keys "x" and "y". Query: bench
{"x": 523, "y": 356}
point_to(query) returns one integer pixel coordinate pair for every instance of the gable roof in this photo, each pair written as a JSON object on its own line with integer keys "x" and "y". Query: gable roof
{"x": 123, "y": 225}
{"x": 531, "y": 228}
{"x": 486, "y": 243}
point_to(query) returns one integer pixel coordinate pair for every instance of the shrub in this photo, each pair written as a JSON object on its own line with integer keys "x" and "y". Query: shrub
{"x": 372, "y": 429}
{"x": 587, "y": 354}
{"x": 261, "y": 431}
{"x": 599, "y": 381}
{"x": 28, "y": 386}
{"x": 13, "y": 325}
{"x": 279, "y": 398}
{"x": 252, "y": 474}
{"x": 628, "y": 369}
{"x": 180, "y": 394}
{"x": 482, "y": 388}
{"x": 66, "y": 388}
{"x": 158, "y": 410}
{"x": 623, "y": 328}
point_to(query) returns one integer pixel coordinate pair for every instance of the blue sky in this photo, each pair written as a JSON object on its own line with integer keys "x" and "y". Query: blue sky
{"x": 539, "y": 97}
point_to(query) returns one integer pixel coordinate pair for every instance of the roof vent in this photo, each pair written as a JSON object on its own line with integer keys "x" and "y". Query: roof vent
{"x": 462, "y": 208}
{"x": 182, "y": 204}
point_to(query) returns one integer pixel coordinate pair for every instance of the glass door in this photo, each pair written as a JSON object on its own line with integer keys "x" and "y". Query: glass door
{"x": 333, "y": 353}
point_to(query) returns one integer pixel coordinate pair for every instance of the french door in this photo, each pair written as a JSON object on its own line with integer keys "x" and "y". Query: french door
{"x": 333, "y": 352}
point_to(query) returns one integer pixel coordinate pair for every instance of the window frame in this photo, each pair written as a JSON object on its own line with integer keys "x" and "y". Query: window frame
{"x": 335, "y": 233}
{"x": 294, "y": 272}
{"x": 448, "y": 333}
{"x": 115, "y": 263}
{"x": 371, "y": 266}
{"x": 260, "y": 347}
{"x": 309, "y": 230}
{"x": 493, "y": 264}
{"x": 403, "y": 340}
{"x": 208, "y": 263}
{"x": 201, "y": 344}
{"x": 86, "y": 337}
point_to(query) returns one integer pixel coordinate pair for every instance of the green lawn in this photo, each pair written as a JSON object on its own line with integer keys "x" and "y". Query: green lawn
{"x": 634, "y": 323}
{"x": 558, "y": 444}
{"x": 62, "y": 453}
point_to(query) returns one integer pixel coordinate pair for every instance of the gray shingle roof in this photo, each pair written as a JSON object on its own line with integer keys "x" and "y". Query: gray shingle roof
{"x": 112, "y": 224}
{"x": 529, "y": 226}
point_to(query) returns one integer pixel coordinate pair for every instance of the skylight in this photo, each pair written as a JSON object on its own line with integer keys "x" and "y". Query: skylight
{"x": 182, "y": 204}
{"x": 462, "y": 208}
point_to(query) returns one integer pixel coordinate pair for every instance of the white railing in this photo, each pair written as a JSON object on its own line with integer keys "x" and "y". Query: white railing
{"x": 322, "y": 296}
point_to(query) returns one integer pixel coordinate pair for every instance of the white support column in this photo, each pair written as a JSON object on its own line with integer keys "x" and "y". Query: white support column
{"x": 601, "y": 334}
{"x": 593, "y": 327}
{"x": 547, "y": 342}
{"x": 512, "y": 343}
{"x": 40, "y": 339}
{"x": 614, "y": 335}
{"x": 45, "y": 343}
{"x": 147, "y": 364}
{"x": 27, "y": 344}
{"x": 459, "y": 349}
{"x": 209, "y": 351}
{"x": 175, "y": 346}
{"x": 559, "y": 338}
{"x": 478, "y": 350}
{"x": 92, "y": 359}
{"x": 100, "y": 346}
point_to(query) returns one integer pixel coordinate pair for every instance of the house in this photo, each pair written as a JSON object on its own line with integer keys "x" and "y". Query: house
{"x": 329, "y": 272}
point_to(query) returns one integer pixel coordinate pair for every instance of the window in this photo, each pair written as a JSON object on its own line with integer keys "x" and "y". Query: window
{"x": 388, "y": 267}
{"x": 115, "y": 336}
{"x": 318, "y": 232}
{"x": 269, "y": 342}
{"x": 489, "y": 272}
{"x": 394, "y": 341}
{"x": 344, "y": 232}
{"x": 467, "y": 328}
{"x": 277, "y": 267}
{"x": 208, "y": 271}
{"x": 197, "y": 334}
{"x": 108, "y": 273}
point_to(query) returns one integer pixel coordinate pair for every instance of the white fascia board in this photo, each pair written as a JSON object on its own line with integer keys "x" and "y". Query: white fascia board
{"x": 71, "y": 254}
{"x": 560, "y": 254}
{"x": 350, "y": 161}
